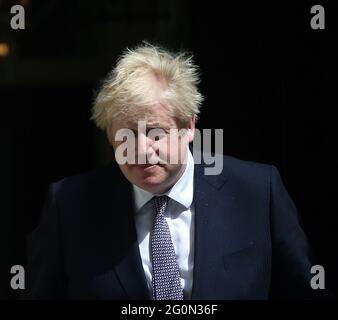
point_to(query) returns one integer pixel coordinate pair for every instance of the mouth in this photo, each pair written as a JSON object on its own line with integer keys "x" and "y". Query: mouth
{"x": 147, "y": 166}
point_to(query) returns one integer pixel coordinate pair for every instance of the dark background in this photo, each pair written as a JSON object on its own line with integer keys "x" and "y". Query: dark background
{"x": 270, "y": 82}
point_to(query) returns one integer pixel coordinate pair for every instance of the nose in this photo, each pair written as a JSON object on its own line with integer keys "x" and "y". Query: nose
{"x": 144, "y": 149}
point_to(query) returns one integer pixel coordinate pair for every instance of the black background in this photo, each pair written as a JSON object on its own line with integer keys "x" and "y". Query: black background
{"x": 269, "y": 80}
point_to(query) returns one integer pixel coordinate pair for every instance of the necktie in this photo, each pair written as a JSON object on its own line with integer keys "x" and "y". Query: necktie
{"x": 166, "y": 277}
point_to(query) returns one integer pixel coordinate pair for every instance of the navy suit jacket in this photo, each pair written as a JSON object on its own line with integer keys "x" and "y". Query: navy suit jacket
{"x": 249, "y": 243}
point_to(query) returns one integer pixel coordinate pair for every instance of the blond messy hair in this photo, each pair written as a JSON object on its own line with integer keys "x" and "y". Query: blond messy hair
{"x": 143, "y": 77}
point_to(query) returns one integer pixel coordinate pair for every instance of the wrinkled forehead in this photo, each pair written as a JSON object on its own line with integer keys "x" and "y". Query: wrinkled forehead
{"x": 156, "y": 115}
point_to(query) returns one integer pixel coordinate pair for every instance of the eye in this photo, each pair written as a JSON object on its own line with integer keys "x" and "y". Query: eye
{"x": 156, "y": 133}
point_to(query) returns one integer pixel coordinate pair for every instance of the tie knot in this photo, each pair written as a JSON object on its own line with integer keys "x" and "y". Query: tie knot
{"x": 160, "y": 203}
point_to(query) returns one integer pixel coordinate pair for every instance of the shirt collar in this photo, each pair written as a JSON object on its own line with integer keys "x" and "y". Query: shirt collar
{"x": 182, "y": 191}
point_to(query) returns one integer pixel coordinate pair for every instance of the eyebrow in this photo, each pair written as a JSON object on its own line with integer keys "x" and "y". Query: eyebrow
{"x": 153, "y": 125}
{"x": 151, "y": 128}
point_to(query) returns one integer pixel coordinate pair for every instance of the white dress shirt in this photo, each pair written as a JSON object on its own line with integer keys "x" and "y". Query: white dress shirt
{"x": 180, "y": 218}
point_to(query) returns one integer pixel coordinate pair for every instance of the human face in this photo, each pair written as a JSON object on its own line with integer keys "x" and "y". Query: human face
{"x": 159, "y": 177}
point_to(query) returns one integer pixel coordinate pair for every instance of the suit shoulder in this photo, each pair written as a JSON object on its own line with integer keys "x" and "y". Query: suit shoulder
{"x": 240, "y": 172}
{"x": 87, "y": 181}
{"x": 246, "y": 170}
{"x": 240, "y": 164}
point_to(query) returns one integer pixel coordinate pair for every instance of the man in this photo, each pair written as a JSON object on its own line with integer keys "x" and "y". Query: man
{"x": 159, "y": 228}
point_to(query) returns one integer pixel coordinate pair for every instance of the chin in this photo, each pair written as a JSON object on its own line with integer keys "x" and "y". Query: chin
{"x": 152, "y": 182}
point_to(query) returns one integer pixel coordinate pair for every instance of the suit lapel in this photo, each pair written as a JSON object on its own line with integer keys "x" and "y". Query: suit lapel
{"x": 131, "y": 275}
{"x": 127, "y": 261}
{"x": 213, "y": 212}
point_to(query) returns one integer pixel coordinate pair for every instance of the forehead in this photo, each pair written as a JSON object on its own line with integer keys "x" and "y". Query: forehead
{"x": 156, "y": 115}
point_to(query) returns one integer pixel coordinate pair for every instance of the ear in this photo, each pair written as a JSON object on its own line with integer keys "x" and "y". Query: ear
{"x": 191, "y": 129}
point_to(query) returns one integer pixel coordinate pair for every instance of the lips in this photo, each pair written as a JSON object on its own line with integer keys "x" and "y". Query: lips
{"x": 147, "y": 165}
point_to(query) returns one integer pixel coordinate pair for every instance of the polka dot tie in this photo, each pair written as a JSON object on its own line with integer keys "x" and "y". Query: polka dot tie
{"x": 166, "y": 277}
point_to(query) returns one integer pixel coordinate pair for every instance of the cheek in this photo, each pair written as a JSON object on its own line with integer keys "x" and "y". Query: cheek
{"x": 167, "y": 170}
{"x": 171, "y": 145}
{"x": 125, "y": 170}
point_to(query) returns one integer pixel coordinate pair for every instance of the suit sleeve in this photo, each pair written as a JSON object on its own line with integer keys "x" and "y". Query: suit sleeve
{"x": 45, "y": 278}
{"x": 291, "y": 256}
